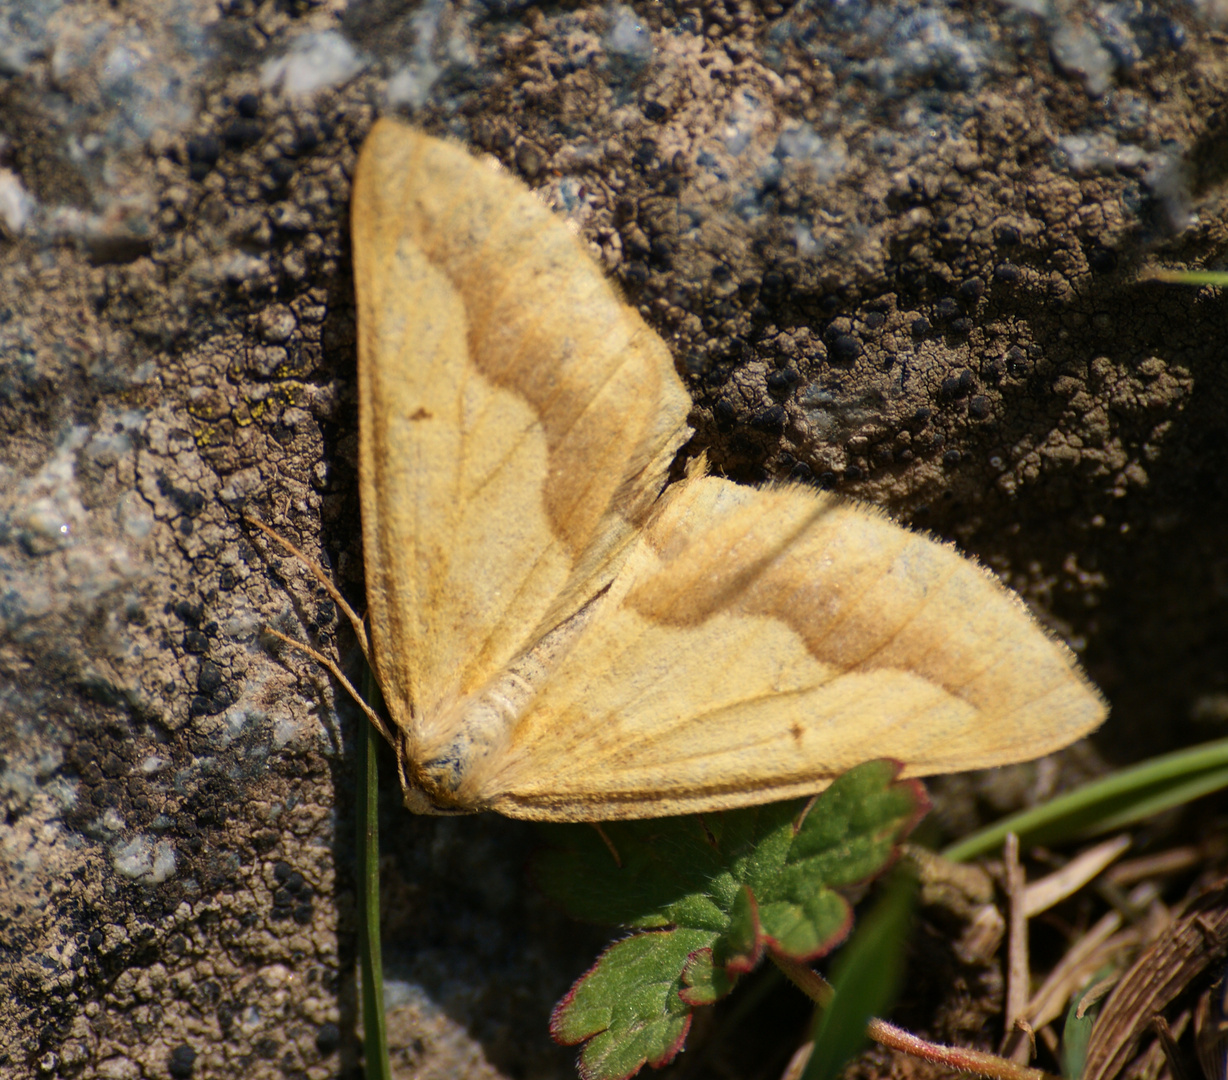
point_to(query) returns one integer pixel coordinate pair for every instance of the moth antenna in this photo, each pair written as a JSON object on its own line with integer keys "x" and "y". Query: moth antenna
{"x": 330, "y": 665}
{"x": 360, "y": 628}
{"x": 608, "y": 843}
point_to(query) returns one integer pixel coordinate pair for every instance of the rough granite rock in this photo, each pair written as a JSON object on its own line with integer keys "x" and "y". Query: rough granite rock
{"x": 896, "y": 249}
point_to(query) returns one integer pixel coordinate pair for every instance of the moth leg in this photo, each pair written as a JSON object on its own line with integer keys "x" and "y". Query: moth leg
{"x": 360, "y": 628}
{"x": 608, "y": 842}
{"x": 330, "y": 665}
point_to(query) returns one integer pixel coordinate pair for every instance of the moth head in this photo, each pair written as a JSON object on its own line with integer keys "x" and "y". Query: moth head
{"x": 430, "y": 787}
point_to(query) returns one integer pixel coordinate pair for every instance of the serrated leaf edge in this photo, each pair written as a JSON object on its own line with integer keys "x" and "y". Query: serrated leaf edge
{"x": 834, "y": 940}
{"x": 743, "y": 963}
{"x": 561, "y": 1006}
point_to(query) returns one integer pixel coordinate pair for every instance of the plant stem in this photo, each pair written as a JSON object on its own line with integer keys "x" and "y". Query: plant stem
{"x": 375, "y": 1034}
{"x": 819, "y": 990}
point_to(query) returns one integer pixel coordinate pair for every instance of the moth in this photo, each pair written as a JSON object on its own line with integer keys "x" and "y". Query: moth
{"x": 561, "y": 635}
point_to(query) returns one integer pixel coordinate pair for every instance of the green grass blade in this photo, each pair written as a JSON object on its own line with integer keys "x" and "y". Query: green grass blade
{"x": 1189, "y": 277}
{"x": 1077, "y": 1030}
{"x": 375, "y": 1031}
{"x": 866, "y": 979}
{"x": 1113, "y": 802}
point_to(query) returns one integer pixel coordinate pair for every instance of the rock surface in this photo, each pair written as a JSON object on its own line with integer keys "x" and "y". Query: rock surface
{"x": 896, "y": 249}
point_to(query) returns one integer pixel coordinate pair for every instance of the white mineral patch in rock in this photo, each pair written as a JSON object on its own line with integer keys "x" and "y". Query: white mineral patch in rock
{"x": 144, "y": 859}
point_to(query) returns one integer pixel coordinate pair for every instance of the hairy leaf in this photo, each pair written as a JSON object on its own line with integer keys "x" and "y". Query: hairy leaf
{"x": 717, "y": 892}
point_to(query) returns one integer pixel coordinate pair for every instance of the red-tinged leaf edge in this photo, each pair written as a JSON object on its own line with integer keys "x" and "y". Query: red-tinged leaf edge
{"x": 707, "y": 977}
{"x": 558, "y": 1013}
{"x": 921, "y": 800}
{"x": 586, "y": 1073}
{"x": 703, "y": 981}
{"x": 738, "y": 957}
{"x": 833, "y": 942}
{"x": 562, "y": 1005}
{"x": 674, "y": 1050}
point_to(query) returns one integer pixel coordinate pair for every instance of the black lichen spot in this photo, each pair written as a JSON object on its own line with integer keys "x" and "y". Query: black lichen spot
{"x": 195, "y": 642}
{"x": 951, "y": 457}
{"x": 947, "y": 308}
{"x": 962, "y": 325}
{"x": 634, "y": 273}
{"x": 954, "y": 387}
{"x": 844, "y": 349}
{"x": 326, "y": 612}
{"x": 774, "y": 287}
{"x": 187, "y": 502}
{"x": 993, "y": 369}
{"x": 209, "y": 678}
{"x": 248, "y": 106}
{"x": 240, "y": 133}
{"x": 781, "y": 382}
{"x": 1017, "y": 361}
{"x": 654, "y": 111}
{"x": 978, "y": 407}
{"x": 305, "y": 141}
{"x": 724, "y": 413}
{"x": 1006, "y": 272}
{"x": 203, "y": 152}
{"x": 328, "y": 1039}
{"x": 182, "y": 1062}
{"x": 1006, "y": 236}
{"x": 277, "y": 176}
{"x": 187, "y": 612}
{"x": 921, "y": 326}
{"x": 661, "y": 252}
{"x": 853, "y": 473}
{"x": 226, "y": 579}
{"x": 211, "y": 704}
{"x": 772, "y": 418}
{"x": 972, "y": 289}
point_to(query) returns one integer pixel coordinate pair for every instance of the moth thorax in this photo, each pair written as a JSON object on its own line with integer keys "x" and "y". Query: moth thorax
{"x": 460, "y": 736}
{"x": 472, "y": 729}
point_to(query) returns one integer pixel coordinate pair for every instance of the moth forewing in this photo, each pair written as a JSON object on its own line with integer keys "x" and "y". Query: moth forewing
{"x": 558, "y": 639}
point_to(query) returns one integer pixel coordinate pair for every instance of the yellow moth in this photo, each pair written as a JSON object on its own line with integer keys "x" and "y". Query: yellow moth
{"x": 560, "y": 635}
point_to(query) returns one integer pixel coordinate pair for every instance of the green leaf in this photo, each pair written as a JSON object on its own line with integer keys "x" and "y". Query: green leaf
{"x": 628, "y": 1004}
{"x": 718, "y": 891}
{"x": 1077, "y": 1030}
{"x": 741, "y": 945}
{"x": 865, "y": 979}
